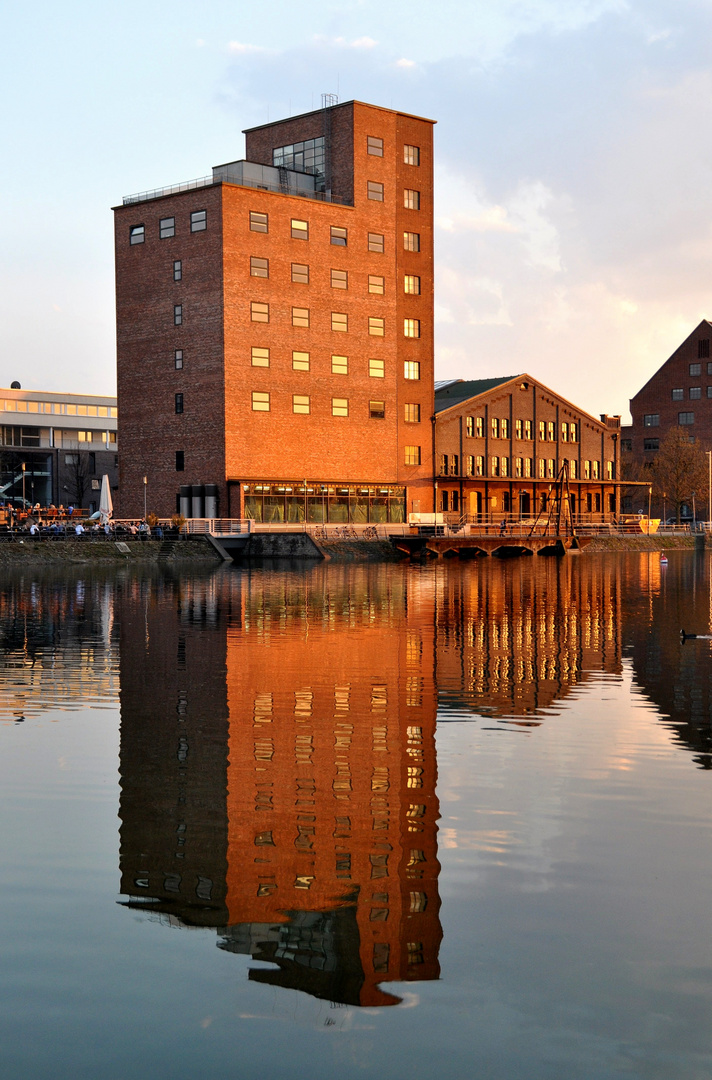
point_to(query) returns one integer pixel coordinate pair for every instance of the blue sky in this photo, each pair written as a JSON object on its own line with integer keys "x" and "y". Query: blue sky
{"x": 572, "y": 184}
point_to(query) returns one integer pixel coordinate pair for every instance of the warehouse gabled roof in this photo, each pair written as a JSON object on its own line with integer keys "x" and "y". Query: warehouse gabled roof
{"x": 452, "y": 393}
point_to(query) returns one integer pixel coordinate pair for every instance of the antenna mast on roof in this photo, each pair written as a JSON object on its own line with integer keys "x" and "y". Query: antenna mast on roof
{"x": 329, "y": 100}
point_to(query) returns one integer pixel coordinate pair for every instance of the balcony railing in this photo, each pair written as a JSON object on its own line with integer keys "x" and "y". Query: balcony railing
{"x": 209, "y": 181}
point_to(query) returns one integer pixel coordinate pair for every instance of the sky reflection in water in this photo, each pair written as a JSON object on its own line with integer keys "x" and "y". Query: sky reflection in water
{"x": 521, "y": 890}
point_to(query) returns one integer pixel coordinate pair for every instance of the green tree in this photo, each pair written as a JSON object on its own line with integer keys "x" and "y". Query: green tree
{"x": 680, "y": 469}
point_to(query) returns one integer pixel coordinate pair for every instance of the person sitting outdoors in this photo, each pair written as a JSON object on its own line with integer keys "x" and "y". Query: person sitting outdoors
{"x": 79, "y": 530}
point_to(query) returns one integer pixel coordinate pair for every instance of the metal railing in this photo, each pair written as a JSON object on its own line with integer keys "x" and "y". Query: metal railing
{"x": 218, "y": 526}
{"x": 209, "y": 181}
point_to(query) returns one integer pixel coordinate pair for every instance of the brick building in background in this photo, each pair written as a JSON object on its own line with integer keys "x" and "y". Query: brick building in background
{"x": 275, "y": 326}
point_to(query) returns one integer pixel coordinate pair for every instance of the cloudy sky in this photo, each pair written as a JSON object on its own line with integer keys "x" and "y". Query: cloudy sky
{"x": 572, "y": 181}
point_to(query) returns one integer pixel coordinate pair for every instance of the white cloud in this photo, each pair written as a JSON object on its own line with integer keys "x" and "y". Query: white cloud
{"x": 240, "y": 48}
{"x": 364, "y": 43}
{"x": 403, "y": 63}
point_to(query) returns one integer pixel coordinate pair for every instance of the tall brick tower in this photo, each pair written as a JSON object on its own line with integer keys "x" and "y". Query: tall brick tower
{"x": 275, "y": 327}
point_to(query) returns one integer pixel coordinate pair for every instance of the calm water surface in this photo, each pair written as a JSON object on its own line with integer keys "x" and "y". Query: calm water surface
{"x": 379, "y": 821}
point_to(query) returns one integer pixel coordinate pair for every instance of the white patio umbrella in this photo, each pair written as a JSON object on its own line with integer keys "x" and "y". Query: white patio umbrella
{"x": 106, "y": 507}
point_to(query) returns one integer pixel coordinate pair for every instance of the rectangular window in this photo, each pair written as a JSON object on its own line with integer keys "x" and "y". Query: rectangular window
{"x": 528, "y": 430}
{"x": 411, "y": 155}
{"x": 137, "y": 234}
{"x": 375, "y": 242}
{"x": 412, "y": 412}
{"x": 177, "y": 314}
{"x": 542, "y": 468}
{"x": 480, "y": 427}
{"x": 180, "y": 460}
{"x": 469, "y": 465}
{"x": 258, "y": 222}
{"x": 375, "y": 146}
{"x": 651, "y": 444}
{"x": 494, "y": 427}
{"x": 703, "y": 348}
{"x": 377, "y": 410}
{"x": 85, "y": 436}
{"x": 339, "y": 322}
{"x": 300, "y": 316}
{"x": 411, "y": 241}
{"x": 377, "y": 369}
{"x": 411, "y": 328}
{"x": 518, "y": 428}
{"x": 259, "y": 312}
{"x": 412, "y": 455}
{"x": 411, "y": 199}
{"x": 260, "y": 401}
{"x": 573, "y": 466}
{"x": 626, "y": 444}
{"x": 411, "y": 369}
{"x": 695, "y": 369}
{"x": 470, "y": 426}
{"x": 479, "y": 465}
{"x": 564, "y": 432}
{"x": 573, "y": 432}
{"x": 504, "y": 466}
{"x": 518, "y": 467}
{"x": 695, "y": 393}
{"x": 685, "y": 418}
{"x": 259, "y": 267}
{"x": 300, "y": 403}
{"x": 494, "y": 466}
{"x": 595, "y": 470}
{"x": 339, "y": 236}
{"x": 411, "y": 285}
{"x": 177, "y": 270}
{"x": 375, "y": 191}
{"x": 339, "y": 406}
{"x": 339, "y": 365}
{"x": 651, "y": 420}
{"x": 300, "y": 361}
{"x": 376, "y": 284}
{"x": 300, "y": 229}
{"x": 709, "y": 391}
{"x": 550, "y": 468}
{"x": 178, "y": 359}
{"x": 542, "y": 431}
{"x": 678, "y": 393}
{"x": 198, "y": 220}
{"x": 166, "y": 227}
{"x": 444, "y": 464}
{"x": 260, "y": 356}
{"x": 504, "y": 428}
{"x": 339, "y": 279}
{"x": 551, "y": 431}
{"x": 528, "y": 466}
{"x": 300, "y": 273}
{"x": 587, "y": 470}
{"x": 609, "y": 470}
{"x": 376, "y": 327}
{"x": 179, "y": 403}
{"x": 709, "y": 369}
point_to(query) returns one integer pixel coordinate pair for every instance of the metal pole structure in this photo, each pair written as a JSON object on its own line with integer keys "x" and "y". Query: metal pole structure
{"x": 305, "y": 504}
{"x": 709, "y": 503}
{"x": 145, "y": 488}
{"x": 650, "y": 496}
{"x": 24, "y": 466}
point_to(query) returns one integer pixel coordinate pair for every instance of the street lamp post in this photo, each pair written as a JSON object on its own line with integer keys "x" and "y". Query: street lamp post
{"x": 24, "y": 500}
{"x": 145, "y": 489}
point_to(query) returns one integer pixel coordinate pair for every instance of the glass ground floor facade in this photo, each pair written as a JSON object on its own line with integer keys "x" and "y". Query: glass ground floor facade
{"x": 25, "y": 479}
{"x": 295, "y": 501}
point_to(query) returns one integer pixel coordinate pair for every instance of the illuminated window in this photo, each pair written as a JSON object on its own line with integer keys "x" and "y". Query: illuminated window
{"x": 339, "y": 322}
{"x": 528, "y": 430}
{"x": 375, "y": 146}
{"x": 412, "y": 285}
{"x": 411, "y": 241}
{"x": 494, "y": 426}
{"x": 573, "y": 432}
{"x": 551, "y": 431}
{"x": 411, "y": 155}
{"x": 300, "y": 316}
{"x": 339, "y": 365}
{"x": 259, "y": 312}
{"x": 377, "y": 369}
{"x": 300, "y": 403}
{"x": 504, "y": 466}
{"x": 411, "y": 369}
{"x": 412, "y": 455}
{"x": 542, "y": 468}
{"x": 479, "y": 465}
{"x": 375, "y": 191}
{"x": 300, "y": 273}
{"x": 542, "y": 431}
{"x": 260, "y": 357}
{"x": 300, "y": 361}
{"x": 470, "y": 426}
{"x": 339, "y": 406}
{"x": 595, "y": 470}
{"x": 528, "y": 466}
{"x": 504, "y": 428}
{"x": 258, "y": 222}
{"x": 375, "y": 242}
{"x": 564, "y": 432}
{"x": 376, "y": 327}
{"x": 411, "y": 328}
{"x": 494, "y": 466}
{"x": 260, "y": 401}
{"x": 376, "y": 284}
{"x": 166, "y": 228}
{"x": 300, "y": 229}
{"x": 412, "y": 412}
{"x": 339, "y": 279}
{"x": 85, "y": 436}
{"x": 198, "y": 220}
{"x": 573, "y": 468}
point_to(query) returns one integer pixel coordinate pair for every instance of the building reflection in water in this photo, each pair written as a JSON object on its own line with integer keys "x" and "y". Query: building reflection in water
{"x": 278, "y": 772}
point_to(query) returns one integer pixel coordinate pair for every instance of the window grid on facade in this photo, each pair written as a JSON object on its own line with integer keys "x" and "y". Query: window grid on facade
{"x": 376, "y": 284}
{"x": 375, "y": 190}
{"x": 178, "y": 270}
{"x": 469, "y": 465}
{"x": 339, "y": 365}
{"x": 178, "y": 359}
{"x": 300, "y": 361}
{"x": 695, "y": 393}
{"x": 300, "y": 316}
{"x": 684, "y": 419}
{"x": 179, "y": 403}
{"x": 339, "y": 406}
{"x": 479, "y": 427}
{"x": 411, "y": 199}
{"x": 695, "y": 369}
{"x": 412, "y": 412}
{"x": 376, "y": 242}
{"x": 412, "y": 455}
{"x": 259, "y": 222}
{"x": 259, "y": 312}
{"x": 376, "y": 327}
{"x": 339, "y": 279}
{"x": 411, "y": 369}
{"x": 177, "y": 314}
{"x": 494, "y": 465}
{"x": 300, "y": 273}
{"x": 137, "y": 234}
{"x": 166, "y": 228}
{"x": 198, "y": 220}
{"x": 411, "y": 155}
{"x": 377, "y": 368}
{"x": 339, "y": 322}
{"x": 479, "y": 465}
{"x": 259, "y": 356}
{"x": 300, "y": 229}
{"x": 504, "y": 428}
{"x": 470, "y": 426}
{"x": 411, "y": 285}
{"x": 411, "y": 241}
{"x": 411, "y": 328}
{"x": 259, "y": 267}
{"x": 651, "y": 420}
{"x": 573, "y": 468}
{"x": 260, "y": 401}
{"x": 374, "y": 145}
{"x": 678, "y": 393}
{"x": 300, "y": 403}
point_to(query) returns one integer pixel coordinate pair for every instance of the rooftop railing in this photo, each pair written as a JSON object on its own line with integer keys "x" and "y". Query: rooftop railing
{"x": 208, "y": 181}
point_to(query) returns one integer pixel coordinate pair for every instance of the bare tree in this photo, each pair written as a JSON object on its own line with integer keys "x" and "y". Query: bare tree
{"x": 680, "y": 469}
{"x": 79, "y": 478}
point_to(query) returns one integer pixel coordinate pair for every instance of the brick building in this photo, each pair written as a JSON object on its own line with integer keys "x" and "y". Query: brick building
{"x": 275, "y": 326}
{"x": 679, "y": 394}
{"x": 501, "y": 443}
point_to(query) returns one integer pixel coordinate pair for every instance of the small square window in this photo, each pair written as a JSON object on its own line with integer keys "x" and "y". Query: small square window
{"x": 339, "y": 406}
{"x": 178, "y": 359}
{"x": 412, "y": 412}
{"x": 259, "y": 312}
{"x": 179, "y": 403}
{"x": 651, "y": 420}
{"x": 411, "y": 328}
{"x": 375, "y": 242}
{"x": 177, "y": 270}
{"x": 198, "y": 220}
{"x": 375, "y": 191}
{"x": 137, "y": 234}
{"x": 259, "y": 356}
{"x": 177, "y": 314}
{"x": 260, "y": 401}
{"x": 300, "y": 273}
{"x": 300, "y": 403}
{"x": 376, "y": 284}
{"x": 167, "y": 227}
{"x": 709, "y": 391}
{"x": 300, "y": 361}
{"x": 411, "y": 369}
{"x": 695, "y": 393}
{"x": 685, "y": 418}
{"x": 339, "y": 365}
{"x": 411, "y": 199}
{"x": 375, "y": 146}
{"x": 339, "y": 279}
{"x": 411, "y": 285}
{"x": 258, "y": 222}
{"x": 259, "y": 267}
{"x": 300, "y": 316}
{"x": 695, "y": 369}
{"x": 377, "y": 410}
{"x": 709, "y": 369}
{"x": 376, "y": 327}
{"x": 411, "y": 155}
{"x": 180, "y": 460}
{"x": 339, "y": 236}
{"x": 300, "y": 229}
{"x": 377, "y": 369}
{"x": 412, "y": 455}
{"x": 339, "y": 322}
{"x": 411, "y": 241}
